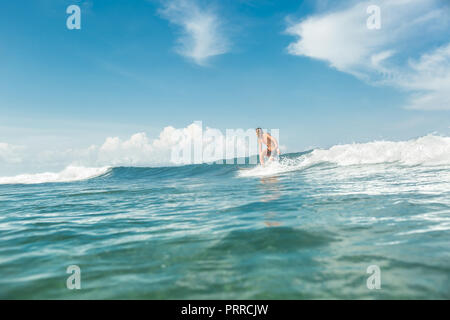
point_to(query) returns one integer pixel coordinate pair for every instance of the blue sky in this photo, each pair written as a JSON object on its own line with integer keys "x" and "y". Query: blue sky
{"x": 309, "y": 68}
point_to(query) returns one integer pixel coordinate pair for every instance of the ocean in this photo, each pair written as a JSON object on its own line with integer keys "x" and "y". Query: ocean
{"x": 310, "y": 226}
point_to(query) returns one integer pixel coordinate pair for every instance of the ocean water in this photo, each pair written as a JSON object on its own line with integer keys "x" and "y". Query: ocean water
{"x": 306, "y": 227}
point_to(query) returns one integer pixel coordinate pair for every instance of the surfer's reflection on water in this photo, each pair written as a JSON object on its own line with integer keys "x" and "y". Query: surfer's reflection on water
{"x": 271, "y": 192}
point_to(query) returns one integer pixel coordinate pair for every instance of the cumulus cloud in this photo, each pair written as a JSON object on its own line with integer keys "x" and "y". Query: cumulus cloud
{"x": 174, "y": 146}
{"x": 410, "y": 51}
{"x": 202, "y": 34}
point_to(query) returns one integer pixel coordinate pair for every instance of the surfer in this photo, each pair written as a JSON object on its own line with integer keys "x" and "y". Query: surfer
{"x": 270, "y": 142}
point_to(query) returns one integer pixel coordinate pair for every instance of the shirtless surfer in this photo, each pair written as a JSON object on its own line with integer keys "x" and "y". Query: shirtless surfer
{"x": 269, "y": 141}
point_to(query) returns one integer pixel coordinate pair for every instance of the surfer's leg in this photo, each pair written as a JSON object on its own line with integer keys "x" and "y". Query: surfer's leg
{"x": 262, "y": 156}
{"x": 269, "y": 154}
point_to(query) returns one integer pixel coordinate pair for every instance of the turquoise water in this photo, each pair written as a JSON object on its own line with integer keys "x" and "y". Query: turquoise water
{"x": 294, "y": 230}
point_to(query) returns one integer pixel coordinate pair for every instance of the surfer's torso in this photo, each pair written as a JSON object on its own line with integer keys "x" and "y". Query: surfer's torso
{"x": 267, "y": 140}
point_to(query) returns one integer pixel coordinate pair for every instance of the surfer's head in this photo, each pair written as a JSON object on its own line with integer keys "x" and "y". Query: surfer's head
{"x": 259, "y": 132}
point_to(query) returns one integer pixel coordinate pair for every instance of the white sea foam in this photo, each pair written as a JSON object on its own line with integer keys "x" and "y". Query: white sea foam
{"x": 71, "y": 173}
{"x": 429, "y": 150}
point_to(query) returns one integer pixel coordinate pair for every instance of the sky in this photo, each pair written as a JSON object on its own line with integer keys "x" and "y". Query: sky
{"x": 315, "y": 70}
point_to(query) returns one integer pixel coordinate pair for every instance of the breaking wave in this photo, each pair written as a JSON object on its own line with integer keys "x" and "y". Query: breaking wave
{"x": 429, "y": 150}
{"x": 71, "y": 173}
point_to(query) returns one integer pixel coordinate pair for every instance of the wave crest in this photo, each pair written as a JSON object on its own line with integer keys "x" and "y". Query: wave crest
{"x": 429, "y": 150}
{"x": 71, "y": 173}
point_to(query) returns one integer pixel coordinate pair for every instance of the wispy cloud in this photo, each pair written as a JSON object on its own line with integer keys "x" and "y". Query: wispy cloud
{"x": 10, "y": 153}
{"x": 202, "y": 34}
{"x": 411, "y": 51}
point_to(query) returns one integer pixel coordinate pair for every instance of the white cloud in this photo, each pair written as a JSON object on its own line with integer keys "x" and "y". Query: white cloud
{"x": 430, "y": 76}
{"x": 137, "y": 150}
{"x": 388, "y": 55}
{"x": 140, "y": 150}
{"x": 202, "y": 30}
{"x": 10, "y": 154}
